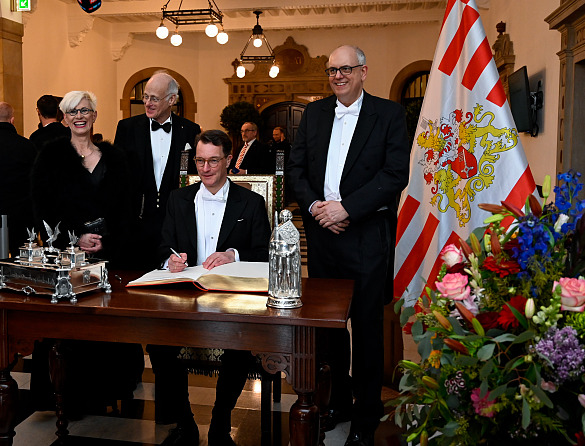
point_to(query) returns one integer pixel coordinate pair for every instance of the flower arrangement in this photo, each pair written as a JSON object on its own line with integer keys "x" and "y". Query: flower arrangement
{"x": 502, "y": 338}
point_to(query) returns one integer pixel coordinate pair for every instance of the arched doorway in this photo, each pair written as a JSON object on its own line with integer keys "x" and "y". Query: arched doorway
{"x": 408, "y": 88}
{"x": 283, "y": 114}
{"x": 188, "y": 97}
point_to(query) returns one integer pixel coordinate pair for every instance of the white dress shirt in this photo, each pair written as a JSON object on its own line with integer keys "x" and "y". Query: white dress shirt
{"x": 160, "y": 141}
{"x": 344, "y": 124}
{"x": 209, "y": 211}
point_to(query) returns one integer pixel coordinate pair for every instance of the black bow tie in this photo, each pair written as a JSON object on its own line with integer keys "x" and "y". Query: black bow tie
{"x": 166, "y": 126}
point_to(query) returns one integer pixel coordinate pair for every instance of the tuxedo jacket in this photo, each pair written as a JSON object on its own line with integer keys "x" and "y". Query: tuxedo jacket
{"x": 17, "y": 156}
{"x": 374, "y": 174}
{"x": 376, "y": 167}
{"x": 244, "y": 227}
{"x": 259, "y": 159}
{"x": 49, "y": 133}
{"x": 133, "y": 136}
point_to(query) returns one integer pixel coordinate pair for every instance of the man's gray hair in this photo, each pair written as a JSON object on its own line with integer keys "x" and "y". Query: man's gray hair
{"x": 6, "y": 112}
{"x": 173, "y": 87}
{"x": 361, "y": 56}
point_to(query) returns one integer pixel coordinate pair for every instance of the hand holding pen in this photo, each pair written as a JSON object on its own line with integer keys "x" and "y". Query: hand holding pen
{"x": 178, "y": 262}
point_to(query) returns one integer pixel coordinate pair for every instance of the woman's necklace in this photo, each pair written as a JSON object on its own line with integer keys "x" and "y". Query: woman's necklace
{"x": 83, "y": 157}
{"x": 87, "y": 156}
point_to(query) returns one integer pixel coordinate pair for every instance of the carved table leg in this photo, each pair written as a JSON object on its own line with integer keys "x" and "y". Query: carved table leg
{"x": 57, "y": 370}
{"x": 8, "y": 402}
{"x": 304, "y": 414}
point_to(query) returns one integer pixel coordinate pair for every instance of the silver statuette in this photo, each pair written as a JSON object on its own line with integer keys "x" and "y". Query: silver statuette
{"x": 284, "y": 277}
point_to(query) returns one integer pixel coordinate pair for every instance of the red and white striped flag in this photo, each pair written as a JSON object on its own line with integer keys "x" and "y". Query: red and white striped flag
{"x": 466, "y": 151}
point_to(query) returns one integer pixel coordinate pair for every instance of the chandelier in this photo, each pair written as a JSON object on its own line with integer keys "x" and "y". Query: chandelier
{"x": 257, "y": 38}
{"x": 212, "y": 16}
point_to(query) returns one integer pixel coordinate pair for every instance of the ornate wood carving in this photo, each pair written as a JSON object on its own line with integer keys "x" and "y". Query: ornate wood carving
{"x": 301, "y": 79}
{"x": 275, "y": 363}
{"x": 504, "y": 55}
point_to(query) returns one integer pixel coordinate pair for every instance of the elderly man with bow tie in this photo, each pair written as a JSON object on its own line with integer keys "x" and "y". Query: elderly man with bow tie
{"x": 347, "y": 168}
{"x": 154, "y": 142}
{"x": 208, "y": 223}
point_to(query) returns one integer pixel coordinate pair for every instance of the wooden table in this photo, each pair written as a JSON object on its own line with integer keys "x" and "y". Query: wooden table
{"x": 178, "y": 315}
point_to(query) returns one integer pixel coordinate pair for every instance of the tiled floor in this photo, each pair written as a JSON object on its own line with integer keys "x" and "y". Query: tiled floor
{"x": 133, "y": 423}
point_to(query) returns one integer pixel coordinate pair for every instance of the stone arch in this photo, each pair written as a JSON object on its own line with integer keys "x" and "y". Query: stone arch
{"x": 404, "y": 75}
{"x": 189, "y": 104}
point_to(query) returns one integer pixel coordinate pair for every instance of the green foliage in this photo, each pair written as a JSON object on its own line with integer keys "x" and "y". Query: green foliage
{"x": 233, "y": 117}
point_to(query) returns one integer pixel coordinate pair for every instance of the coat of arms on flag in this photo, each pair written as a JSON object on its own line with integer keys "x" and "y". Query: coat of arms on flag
{"x": 466, "y": 151}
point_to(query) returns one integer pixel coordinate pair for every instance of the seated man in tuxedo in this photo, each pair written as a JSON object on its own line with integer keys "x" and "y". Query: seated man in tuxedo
{"x": 253, "y": 157}
{"x": 209, "y": 223}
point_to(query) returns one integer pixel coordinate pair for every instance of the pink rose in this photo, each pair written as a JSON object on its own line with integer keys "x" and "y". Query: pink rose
{"x": 451, "y": 255}
{"x": 572, "y": 293}
{"x": 454, "y": 286}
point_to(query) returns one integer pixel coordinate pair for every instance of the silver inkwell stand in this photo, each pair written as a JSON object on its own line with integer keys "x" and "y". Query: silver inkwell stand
{"x": 46, "y": 270}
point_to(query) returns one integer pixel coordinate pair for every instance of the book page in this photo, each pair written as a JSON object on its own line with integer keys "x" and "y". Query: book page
{"x": 193, "y": 273}
{"x": 241, "y": 269}
{"x": 158, "y": 276}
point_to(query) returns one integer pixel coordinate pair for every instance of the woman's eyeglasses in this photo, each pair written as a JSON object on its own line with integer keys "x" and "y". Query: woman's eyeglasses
{"x": 84, "y": 111}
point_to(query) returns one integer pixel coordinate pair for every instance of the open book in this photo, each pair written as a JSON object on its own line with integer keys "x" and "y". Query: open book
{"x": 251, "y": 277}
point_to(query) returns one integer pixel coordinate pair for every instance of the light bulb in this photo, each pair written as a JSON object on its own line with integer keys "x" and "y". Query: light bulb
{"x": 222, "y": 38}
{"x": 162, "y": 32}
{"x": 240, "y": 71}
{"x": 211, "y": 30}
{"x": 257, "y": 42}
{"x": 176, "y": 39}
{"x": 274, "y": 70}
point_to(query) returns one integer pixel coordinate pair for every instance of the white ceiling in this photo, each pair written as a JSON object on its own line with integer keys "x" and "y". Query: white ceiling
{"x": 144, "y": 15}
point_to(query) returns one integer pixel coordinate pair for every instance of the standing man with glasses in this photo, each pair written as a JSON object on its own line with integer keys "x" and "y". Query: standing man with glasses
{"x": 209, "y": 223}
{"x": 253, "y": 157}
{"x": 154, "y": 142}
{"x": 347, "y": 168}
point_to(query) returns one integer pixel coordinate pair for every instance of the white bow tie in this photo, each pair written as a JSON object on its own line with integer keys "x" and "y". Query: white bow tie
{"x": 208, "y": 196}
{"x": 341, "y": 110}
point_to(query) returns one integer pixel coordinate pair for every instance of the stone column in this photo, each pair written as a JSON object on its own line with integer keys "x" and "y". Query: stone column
{"x": 11, "y": 68}
{"x": 569, "y": 20}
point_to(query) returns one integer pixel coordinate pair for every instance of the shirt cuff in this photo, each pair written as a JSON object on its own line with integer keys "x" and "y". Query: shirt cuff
{"x": 311, "y": 206}
{"x": 236, "y": 253}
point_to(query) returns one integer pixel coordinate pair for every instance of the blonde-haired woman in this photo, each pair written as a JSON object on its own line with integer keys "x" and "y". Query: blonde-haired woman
{"x": 85, "y": 187}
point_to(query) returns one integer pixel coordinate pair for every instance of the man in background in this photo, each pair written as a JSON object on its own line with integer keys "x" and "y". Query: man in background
{"x": 50, "y": 126}
{"x": 154, "y": 143}
{"x": 281, "y": 145}
{"x": 17, "y": 155}
{"x": 347, "y": 168}
{"x": 253, "y": 157}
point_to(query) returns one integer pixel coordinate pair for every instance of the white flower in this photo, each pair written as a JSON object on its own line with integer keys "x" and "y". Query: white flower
{"x": 563, "y": 218}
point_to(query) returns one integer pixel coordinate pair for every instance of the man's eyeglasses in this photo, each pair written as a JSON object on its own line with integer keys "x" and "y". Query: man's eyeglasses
{"x": 345, "y": 70}
{"x": 247, "y": 130}
{"x": 213, "y": 162}
{"x": 153, "y": 99}
{"x": 84, "y": 111}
